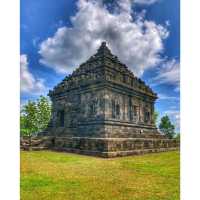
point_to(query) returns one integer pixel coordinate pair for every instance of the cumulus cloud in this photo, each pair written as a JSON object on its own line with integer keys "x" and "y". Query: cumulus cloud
{"x": 166, "y": 97}
{"x": 147, "y": 2}
{"x": 168, "y": 73}
{"x": 136, "y": 41}
{"x": 29, "y": 84}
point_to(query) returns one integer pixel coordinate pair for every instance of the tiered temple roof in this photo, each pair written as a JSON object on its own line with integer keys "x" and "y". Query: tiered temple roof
{"x": 103, "y": 67}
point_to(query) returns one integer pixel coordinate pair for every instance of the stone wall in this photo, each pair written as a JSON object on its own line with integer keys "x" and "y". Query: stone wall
{"x": 132, "y": 109}
{"x": 127, "y": 131}
{"x": 101, "y": 113}
{"x": 104, "y": 147}
{"x": 112, "y": 147}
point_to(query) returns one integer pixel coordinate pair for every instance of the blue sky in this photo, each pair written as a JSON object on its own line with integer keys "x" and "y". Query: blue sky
{"x": 56, "y": 36}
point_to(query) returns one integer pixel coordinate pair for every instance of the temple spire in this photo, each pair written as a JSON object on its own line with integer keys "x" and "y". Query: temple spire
{"x": 104, "y": 50}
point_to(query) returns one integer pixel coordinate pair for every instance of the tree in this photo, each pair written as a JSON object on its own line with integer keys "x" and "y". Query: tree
{"x": 23, "y": 126}
{"x": 28, "y": 120}
{"x": 167, "y": 127}
{"x": 44, "y": 112}
{"x": 35, "y": 116}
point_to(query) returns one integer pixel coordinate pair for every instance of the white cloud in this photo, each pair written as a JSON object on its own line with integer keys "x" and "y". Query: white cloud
{"x": 168, "y": 73}
{"x": 166, "y": 97}
{"x": 29, "y": 84}
{"x": 136, "y": 41}
{"x": 148, "y": 2}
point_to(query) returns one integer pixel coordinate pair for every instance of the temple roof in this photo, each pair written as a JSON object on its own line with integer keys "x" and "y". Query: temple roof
{"x": 106, "y": 67}
{"x": 103, "y": 57}
{"x": 103, "y": 50}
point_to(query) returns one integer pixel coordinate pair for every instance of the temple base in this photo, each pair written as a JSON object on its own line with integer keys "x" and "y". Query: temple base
{"x": 105, "y": 147}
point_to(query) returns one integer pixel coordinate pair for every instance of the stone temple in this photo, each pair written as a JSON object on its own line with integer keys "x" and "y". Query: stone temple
{"x": 103, "y": 109}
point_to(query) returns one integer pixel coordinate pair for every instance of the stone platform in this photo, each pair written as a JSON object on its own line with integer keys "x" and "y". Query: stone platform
{"x": 105, "y": 147}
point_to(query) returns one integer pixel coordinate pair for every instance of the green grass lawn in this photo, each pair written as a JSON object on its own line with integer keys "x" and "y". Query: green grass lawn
{"x": 47, "y": 175}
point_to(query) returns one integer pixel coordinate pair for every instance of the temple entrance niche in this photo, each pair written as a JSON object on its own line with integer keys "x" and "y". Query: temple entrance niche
{"x": 116, "y": 108}
{"x": 61, "y": 118}
{"x": 130, "y": 109}
{"x": 147, "y": 114}
{"x": 93, "y": 107}
{"x": 134, "y": 109}
{"x": 136, "y": 113}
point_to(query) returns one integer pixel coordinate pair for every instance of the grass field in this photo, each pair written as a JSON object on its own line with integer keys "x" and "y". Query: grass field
{"x": 47, "y": 175}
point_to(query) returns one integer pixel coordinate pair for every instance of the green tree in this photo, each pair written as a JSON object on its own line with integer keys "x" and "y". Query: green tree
{"x": 23, "y": 126}
{"x": 34, "y": 116}
{"x": 28, "y": 120}
{"x": 43, "y": 112}
{"x": 167, "y": 127}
